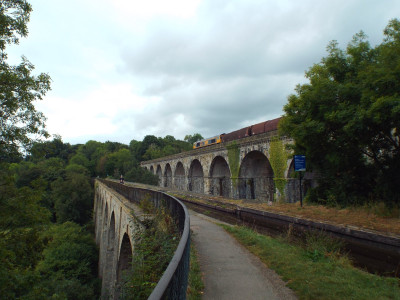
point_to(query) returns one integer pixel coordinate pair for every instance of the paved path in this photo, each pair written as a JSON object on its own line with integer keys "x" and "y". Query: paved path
{"x": 230, "y": 271}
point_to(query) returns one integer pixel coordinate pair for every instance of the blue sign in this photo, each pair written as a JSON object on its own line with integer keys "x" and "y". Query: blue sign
{"x": 299, "y": 163}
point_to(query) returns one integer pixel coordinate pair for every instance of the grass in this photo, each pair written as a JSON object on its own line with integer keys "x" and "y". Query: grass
{"x": 196, "y": 285}
{"x": 316, "y": 270}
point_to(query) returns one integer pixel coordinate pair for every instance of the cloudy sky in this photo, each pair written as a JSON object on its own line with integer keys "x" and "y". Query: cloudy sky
{"x": 123, "y": 69}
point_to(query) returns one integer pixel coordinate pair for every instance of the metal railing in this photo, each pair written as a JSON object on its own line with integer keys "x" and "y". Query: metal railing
{"x": 173, "y": 283}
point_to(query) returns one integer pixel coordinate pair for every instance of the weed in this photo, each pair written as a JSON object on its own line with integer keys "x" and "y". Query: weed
{"x": 318, "y": 244}
{"x": 196, "y": 285}
{"x": 154, "y": 245}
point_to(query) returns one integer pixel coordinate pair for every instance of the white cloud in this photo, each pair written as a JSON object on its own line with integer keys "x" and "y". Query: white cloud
{"x": 123, "y": 69}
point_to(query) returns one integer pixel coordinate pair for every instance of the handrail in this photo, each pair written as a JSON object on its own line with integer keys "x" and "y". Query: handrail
{"x": 173, "y": 283}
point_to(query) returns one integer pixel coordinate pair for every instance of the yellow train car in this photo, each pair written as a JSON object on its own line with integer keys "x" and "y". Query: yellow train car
{"x": 207, "y": 142}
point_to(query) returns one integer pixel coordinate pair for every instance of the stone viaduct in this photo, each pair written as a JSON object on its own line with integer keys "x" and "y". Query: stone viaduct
{"x": 208, "y": 171}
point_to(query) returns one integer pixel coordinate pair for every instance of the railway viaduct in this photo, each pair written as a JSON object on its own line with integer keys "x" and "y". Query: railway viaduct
{"x": 210, "y": 170}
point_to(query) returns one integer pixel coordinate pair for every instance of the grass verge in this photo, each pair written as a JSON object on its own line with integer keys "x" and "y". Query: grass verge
{"x": 196, "y": 285}
{"x": 315, "y": 272}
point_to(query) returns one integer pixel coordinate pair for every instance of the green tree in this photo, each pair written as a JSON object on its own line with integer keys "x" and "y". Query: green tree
{"x": 347, "y": 119}
{"x": 118, "y": 162}
{"x": 135, "y": 148}
{"x": 73, "y": 198}
{"x": 68, "y": 269}
{"x": 138, "y": 174}
{"x": 193, "y": 138}
{"x": 20, "y": 123}
{"x": 48, "y": 149}
{"x": 93, "y": 151}
{"x": 21, "y": 221}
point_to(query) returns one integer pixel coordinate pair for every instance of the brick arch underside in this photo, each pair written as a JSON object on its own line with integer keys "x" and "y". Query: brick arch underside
{"x": 196, "y": 177}
{"x": 220, "y": 175}
{"x": 179, "y": 176}
{"x": 168, "y": 176}
{"x": 256, "y": 177}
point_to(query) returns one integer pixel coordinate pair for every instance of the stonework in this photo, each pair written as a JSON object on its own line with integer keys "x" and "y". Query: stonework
{"x": 114, "y": 229}
{"x": 207, "y": 171}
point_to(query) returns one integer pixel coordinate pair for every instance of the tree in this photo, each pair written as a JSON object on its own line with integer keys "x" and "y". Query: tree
{"x": 73, "y": 198}
{"x": 48, "y": 149}
{"x": 69, "y": 266}
{"x": 347, "y": 119}
{"x": 20, "y": 123}
{"x": 21, "y": 221}
{"x": 193, "y": 138}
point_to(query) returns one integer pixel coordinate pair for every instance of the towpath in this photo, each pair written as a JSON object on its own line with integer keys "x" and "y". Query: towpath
{"x": 229, "y": 270}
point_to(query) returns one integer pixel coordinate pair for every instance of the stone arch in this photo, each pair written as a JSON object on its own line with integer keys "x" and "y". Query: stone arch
{"x": 125, "y": 257}
{"x": 168, "y": 176}
{"x": 256, "y": 177}
{"x": 152, "y": 169}
{"x": 179, "y": 176}
{"x": 196, "y": 177}
{"x": 108, "y": 275}
{"x": 159, "y": 174}
{"x": 220, "y": 177}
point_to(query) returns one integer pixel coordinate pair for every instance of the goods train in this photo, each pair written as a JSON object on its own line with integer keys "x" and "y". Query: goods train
{"x": 259, "y": 128}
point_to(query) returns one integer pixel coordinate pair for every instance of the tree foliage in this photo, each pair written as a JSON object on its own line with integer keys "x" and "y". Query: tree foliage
{"x": 32, "y": 266}
{"x": 193, "y": 138}
{"x": 347, "y": 120}
{"x": 69, "y": 265}
{"x": 20, "y": 123}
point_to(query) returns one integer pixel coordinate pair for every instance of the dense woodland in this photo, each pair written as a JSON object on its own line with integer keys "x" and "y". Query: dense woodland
{"x": 46, "y": 204}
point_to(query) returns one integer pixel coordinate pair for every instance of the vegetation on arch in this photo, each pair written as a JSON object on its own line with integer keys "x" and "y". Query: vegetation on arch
{"x": 234, "y": 161}
{"x": 156, "y": 239}
{"x": 278, "y": 156}
{"x": 346, "y": 120}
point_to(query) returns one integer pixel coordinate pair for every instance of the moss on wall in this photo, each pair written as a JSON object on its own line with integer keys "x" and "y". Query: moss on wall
{"x": 278, "y": 157}
{"x": 233, "y": 158}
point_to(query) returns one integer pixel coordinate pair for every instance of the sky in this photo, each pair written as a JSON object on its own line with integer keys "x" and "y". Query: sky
{"x": 124, "y": 69}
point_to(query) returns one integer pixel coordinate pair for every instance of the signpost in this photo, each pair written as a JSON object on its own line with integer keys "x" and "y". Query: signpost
{"x": 300, "y": 166}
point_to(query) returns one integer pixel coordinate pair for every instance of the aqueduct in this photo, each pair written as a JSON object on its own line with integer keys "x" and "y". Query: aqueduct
{"x": 117, "y": 216}
{"x": 114, "y": 231}
{"x": 208, "y": 170}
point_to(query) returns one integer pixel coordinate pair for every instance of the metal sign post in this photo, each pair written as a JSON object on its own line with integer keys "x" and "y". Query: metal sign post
{"x": 300, "y": 166}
